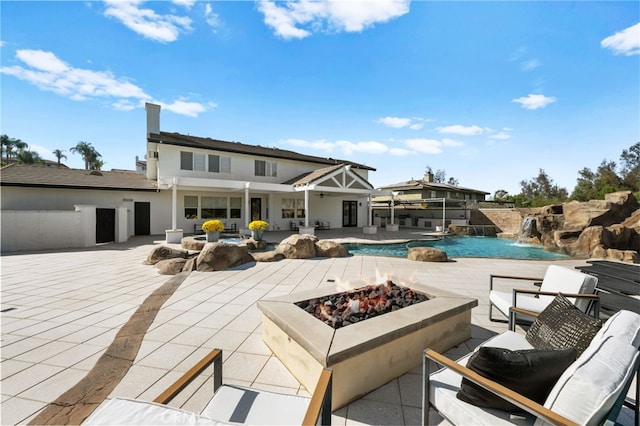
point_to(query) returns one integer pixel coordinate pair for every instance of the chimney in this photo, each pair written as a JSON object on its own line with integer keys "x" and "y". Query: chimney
{"x": 153, "y": 118}
{"x": 428, "y": 177}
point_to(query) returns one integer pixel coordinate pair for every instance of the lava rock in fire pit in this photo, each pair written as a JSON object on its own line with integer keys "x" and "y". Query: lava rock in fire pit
{"x": 349, "y": 307}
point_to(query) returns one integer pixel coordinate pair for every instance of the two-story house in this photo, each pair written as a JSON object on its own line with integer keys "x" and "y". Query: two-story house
{"x": 424, "y": 203}
{"x": 185, "y": 181}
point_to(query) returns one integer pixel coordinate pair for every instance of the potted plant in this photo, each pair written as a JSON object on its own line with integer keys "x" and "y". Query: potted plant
{"x": 257, "y": 227}
{"x": 212, "y": 228}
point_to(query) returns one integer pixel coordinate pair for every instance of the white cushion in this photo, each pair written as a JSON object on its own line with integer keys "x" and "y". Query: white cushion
{"x": 503, "y": 301}
{"x": 587, "y": 390}
{"x": 622, "y": 323}
{"x": 566, "y": 280}
{"x": 236, "y": 404}
{"x": 125, "y": 411}
{"x": 445, "y": 384}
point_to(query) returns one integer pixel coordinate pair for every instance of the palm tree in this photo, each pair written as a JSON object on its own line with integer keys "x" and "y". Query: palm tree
{"x": 8, "y": 144}
{"x": 26, "y": 156}
{"x": 59, "y": 155}
{"x": 87, "y": 152}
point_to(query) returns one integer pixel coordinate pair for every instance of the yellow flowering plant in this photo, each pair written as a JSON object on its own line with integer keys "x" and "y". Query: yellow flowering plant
{"x": 212, "y": 226}
{"x": 258, "y": 225}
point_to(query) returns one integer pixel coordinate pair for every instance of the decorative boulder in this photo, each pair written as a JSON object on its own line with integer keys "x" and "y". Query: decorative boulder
{"x": 190, "y": 264}
{"x": 427, "y": 254}
{"x": 170, "y": 266}
{"x": 328, "y": 248}
{"x": 267, "y": 256}
{"x": 252, "y": 244}
{"x": 163, "y": 252}
{"x": 220, "y": 256}
{"x": 191, "y": 243}
{"x": 298, "y": 246}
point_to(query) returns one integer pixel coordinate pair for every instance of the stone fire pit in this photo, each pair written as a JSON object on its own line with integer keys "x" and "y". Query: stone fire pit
{"x": 369, "y": 353}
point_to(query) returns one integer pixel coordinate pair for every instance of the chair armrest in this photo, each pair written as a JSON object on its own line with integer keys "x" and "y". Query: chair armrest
{"x": 510, "y": 277}
{"x": 555, "y": 293}
{"x": 320, "y": 404}
{"x": 215, "y": 357}
{"x": 503, "y": 392}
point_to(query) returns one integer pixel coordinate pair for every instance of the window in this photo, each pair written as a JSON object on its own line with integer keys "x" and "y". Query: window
{"x": 214, "y": 207}
{"x": 288, "y": 205}
{"x": 236, "y": 207}
{"x": 266, "y": 168}
{"x": 292, "y": 208}
{"x": 198, "y": 162}
{"x": 190, "y": 207}
{"x": 218, "y": 164}
{"x": 186, "y": 161}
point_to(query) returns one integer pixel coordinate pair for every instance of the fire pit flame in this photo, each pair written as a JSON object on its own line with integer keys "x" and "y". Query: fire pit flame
{"x": 349, "y": 307}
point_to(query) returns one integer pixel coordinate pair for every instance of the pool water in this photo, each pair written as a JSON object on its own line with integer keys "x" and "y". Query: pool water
{"x": 461, "y": 247}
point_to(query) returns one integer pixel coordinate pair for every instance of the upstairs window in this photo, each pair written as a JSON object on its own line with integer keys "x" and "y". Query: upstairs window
{"x": 186, "y": 160}
{"x": 218, "y": 164}
{"x": 192, "y": 161}
{"x": 266, "y": 168}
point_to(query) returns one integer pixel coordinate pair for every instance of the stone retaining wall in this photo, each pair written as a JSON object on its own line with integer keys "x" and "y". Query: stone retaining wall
{"x": 507, "y": 220}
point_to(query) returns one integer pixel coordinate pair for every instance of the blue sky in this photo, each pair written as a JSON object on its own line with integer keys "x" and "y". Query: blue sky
{"x": 490, "y": 92}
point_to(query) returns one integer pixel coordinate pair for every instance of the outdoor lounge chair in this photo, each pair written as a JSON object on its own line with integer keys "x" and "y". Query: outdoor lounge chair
{"x": 577, "y": 286}
{"x": 589, "y": 391}
{"x": 229, "y": 404}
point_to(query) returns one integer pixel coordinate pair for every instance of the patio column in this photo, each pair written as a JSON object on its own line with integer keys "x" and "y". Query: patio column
{"x": 247, "y": 213}
{"x": 306, "y": 208}
{"x": 370, "y": 209}
{"x": 174, "y": 235}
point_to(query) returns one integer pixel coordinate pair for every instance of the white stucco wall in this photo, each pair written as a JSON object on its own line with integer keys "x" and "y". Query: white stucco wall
{"x": 40, "y": 229}
{"x": 23, "y": 198}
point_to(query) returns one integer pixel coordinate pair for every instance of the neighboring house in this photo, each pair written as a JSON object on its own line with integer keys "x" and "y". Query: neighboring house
{"x": 186, "y": 180}
{"x": 424, "y": 203}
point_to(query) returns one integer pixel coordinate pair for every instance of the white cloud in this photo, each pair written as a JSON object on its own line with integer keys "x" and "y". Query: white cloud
{"x": 191, "y": 109}
{"x": 400, "y": 152}
{"x": 395, "y": 122}
{"x": 501, "y": 136}
{"x": 186, "y": 3}
{"x": 414, "y": 123}
{"x": 534, "y": 101}
{"x": 461, "y": 130}
{"x": 47, "y": 72}
{"x": 342, "y": 146}
{"x": 425, "y": 146}
{"x": 451, "y": 142}
{"x": 146, "y": 22}
{"x": 625, "y": 42}
{"x": 530, "y": 64}
{"x": 288, "y": 18}
{"x": 2, "y": 43}
{"x": 211, "y": 17}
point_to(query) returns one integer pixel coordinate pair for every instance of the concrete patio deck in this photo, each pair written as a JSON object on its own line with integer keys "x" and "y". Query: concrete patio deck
{"x": 61, "y": 310}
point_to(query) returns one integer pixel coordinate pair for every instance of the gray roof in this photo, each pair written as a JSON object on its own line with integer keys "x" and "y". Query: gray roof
{"x": 419, "y": 184}
{"x": 49, "y": 177}
{"x": 240, "y": 148}
{"x": 309, "y": 177}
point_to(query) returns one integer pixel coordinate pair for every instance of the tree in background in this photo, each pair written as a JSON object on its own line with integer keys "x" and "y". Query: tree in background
{"x": 541, "y": 191}
{"x": 59, "y": 155}
{"x": 606, "y": 179}
{"x": 8, "y": 146}
{"x": 26, "y": 156}
{"x": 88, "y": 154}
{"x": 440, "y": 176}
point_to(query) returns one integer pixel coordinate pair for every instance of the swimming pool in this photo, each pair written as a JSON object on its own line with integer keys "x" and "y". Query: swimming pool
{"x": 461, "y": 247}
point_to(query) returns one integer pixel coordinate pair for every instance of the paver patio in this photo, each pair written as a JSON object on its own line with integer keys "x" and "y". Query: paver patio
{"x": 70, "y": 304}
